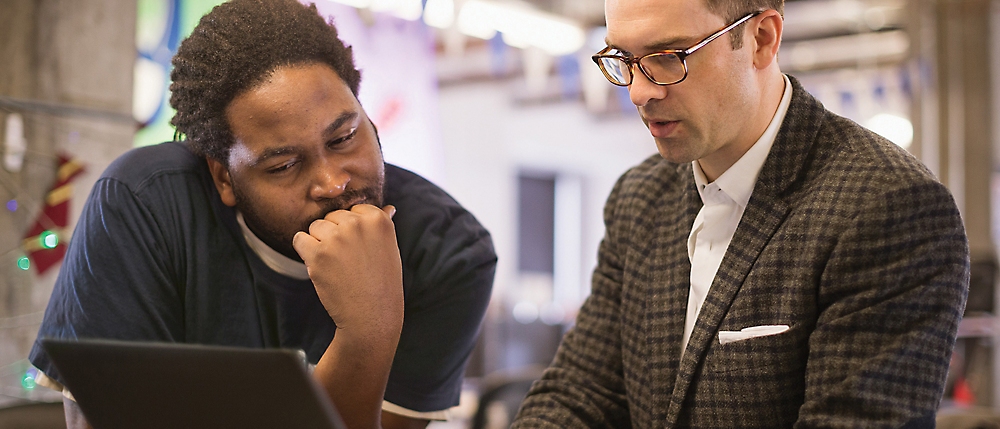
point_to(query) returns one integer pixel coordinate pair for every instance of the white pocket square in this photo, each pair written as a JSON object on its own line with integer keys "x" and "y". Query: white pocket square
{"x": 726, "y": 337}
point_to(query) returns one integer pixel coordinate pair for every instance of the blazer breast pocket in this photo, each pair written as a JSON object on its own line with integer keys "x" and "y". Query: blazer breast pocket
{"x": 765, "y": 348}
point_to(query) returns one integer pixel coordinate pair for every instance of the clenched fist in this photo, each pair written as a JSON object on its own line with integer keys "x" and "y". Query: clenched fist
{"x": 353, "y": 260}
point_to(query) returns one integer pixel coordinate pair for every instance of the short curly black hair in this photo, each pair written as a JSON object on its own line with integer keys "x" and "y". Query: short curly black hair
{"x": 237, "y": 46}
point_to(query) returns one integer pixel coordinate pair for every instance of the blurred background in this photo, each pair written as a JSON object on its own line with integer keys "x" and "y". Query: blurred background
{"x": 498, "y": 102}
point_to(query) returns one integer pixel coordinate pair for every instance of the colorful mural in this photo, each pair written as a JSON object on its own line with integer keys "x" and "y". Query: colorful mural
{"x": 160, "y": 27}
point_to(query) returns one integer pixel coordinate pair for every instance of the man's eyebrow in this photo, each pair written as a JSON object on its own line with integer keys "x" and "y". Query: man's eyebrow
{"x": 272, "y": 153}
{"x": 675, "y": 43}
{"x": 612, "y": 46}
{"x": 286, "y": 150}
{"x": 340, "y": 121}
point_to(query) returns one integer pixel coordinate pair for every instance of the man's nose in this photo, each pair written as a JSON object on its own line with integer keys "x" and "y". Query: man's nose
{"x": 329, "y": 181}
{"x": 642, "y": 90}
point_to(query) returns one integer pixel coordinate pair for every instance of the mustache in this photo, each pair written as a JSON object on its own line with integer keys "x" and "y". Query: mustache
{"x": 347, "y": 200}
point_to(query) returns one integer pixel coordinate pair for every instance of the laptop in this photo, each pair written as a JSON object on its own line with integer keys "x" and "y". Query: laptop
{"x": 120, "y": 384}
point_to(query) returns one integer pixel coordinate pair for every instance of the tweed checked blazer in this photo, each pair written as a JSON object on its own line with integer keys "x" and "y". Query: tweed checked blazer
{"x": 847, "y": 239}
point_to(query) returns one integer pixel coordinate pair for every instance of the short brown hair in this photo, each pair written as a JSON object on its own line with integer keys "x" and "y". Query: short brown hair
{"x": 731, "y": 10}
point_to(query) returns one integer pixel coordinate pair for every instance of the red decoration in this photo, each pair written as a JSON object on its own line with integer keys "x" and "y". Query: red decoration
{"x": 389, "y": 113}
{"x": 963, "y": 393}
{"x": 54, "y": 217}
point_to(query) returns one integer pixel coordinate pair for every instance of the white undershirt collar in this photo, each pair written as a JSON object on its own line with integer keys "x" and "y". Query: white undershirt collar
{"x": 724, "y": 200}
{"x": 272, "y": 258}
{"x": 738, "y": 181}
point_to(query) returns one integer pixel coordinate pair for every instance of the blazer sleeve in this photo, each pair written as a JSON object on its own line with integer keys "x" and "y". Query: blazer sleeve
{"x": 889, "y": 302}
{"x": 584, "y": 386}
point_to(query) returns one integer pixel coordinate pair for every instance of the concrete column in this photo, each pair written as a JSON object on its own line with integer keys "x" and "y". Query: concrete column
{"x": 954, "y": 106}
{"x": 955, "y": 48}
{"x": 66, "y": 67}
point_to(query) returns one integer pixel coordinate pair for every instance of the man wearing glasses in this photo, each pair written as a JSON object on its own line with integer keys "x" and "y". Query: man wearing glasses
{"x": 774, "y": 266}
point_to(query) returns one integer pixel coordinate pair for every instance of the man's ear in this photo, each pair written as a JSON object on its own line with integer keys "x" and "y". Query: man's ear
{"x": 767, "y": 38}
{"x": 223, "y": 182}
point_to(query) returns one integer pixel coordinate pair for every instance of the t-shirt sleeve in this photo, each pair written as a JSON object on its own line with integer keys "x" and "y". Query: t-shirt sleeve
{"x": 115, "y": 281}
{"x": 449, "y": 263}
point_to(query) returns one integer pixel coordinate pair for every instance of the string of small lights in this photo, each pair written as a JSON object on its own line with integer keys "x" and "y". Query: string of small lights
{"x": 27, "y": 210}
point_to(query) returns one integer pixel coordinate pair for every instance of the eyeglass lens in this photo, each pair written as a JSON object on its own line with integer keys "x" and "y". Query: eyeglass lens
{"x": 616, "y": 69}
{"x": 664, "y": 68}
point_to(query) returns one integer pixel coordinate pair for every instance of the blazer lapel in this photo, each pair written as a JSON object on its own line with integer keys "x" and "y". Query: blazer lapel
{"x": 666, "y": 284}
{"x": 765, "y": 212}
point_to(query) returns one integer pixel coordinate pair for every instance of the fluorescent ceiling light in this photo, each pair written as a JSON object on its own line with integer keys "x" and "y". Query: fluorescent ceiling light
{"x": 547, "y": 32}
{"x": 476, "y": 19}
{"x": 355, "y": 3}
{"x": 521, "y": 26}
{"x": 439, "y": 13}
{"x": 409, "y": 10}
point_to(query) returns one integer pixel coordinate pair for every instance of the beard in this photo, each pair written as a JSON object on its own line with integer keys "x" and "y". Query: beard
{"x": 277, "y": 229}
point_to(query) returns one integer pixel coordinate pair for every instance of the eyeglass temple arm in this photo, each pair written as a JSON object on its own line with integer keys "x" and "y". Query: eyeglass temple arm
{"x": 721, "y": 32}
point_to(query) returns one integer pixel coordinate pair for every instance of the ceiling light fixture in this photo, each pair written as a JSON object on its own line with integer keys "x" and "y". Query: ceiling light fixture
{"x": 439, "y": 13}
{"x": 521, "y": 26}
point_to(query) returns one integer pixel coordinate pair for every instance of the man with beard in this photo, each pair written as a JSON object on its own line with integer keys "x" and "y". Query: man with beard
{"x": 277, "y": 224}
{"x": 774, "y": 266}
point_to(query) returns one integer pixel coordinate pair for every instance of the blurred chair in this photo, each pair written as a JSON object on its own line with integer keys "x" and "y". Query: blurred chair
{"x": 501, "y": 395}
{"x": 968, "y": 418}
{"x": 33, "y": 415}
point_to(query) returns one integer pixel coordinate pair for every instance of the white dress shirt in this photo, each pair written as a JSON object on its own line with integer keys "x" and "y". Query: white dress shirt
{"x": 724, "y": 200}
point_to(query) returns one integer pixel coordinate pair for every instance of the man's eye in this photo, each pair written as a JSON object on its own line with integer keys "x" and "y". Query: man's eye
{"x": 282, "y": 168}
{"x": 344, "y": 139}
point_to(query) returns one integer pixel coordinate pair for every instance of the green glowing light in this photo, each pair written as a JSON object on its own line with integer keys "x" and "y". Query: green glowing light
{"x": 24, "y": 263}
{"x": 49, "y": 239}
{"x": 28, "y": 382}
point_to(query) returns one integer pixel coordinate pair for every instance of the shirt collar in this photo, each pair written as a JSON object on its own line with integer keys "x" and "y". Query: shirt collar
{"x": 274, "y": 260}
{"x": 738, "y": 181}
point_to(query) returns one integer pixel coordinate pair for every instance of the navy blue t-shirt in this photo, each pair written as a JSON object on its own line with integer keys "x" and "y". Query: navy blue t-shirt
{"x": 157, "y": 256}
